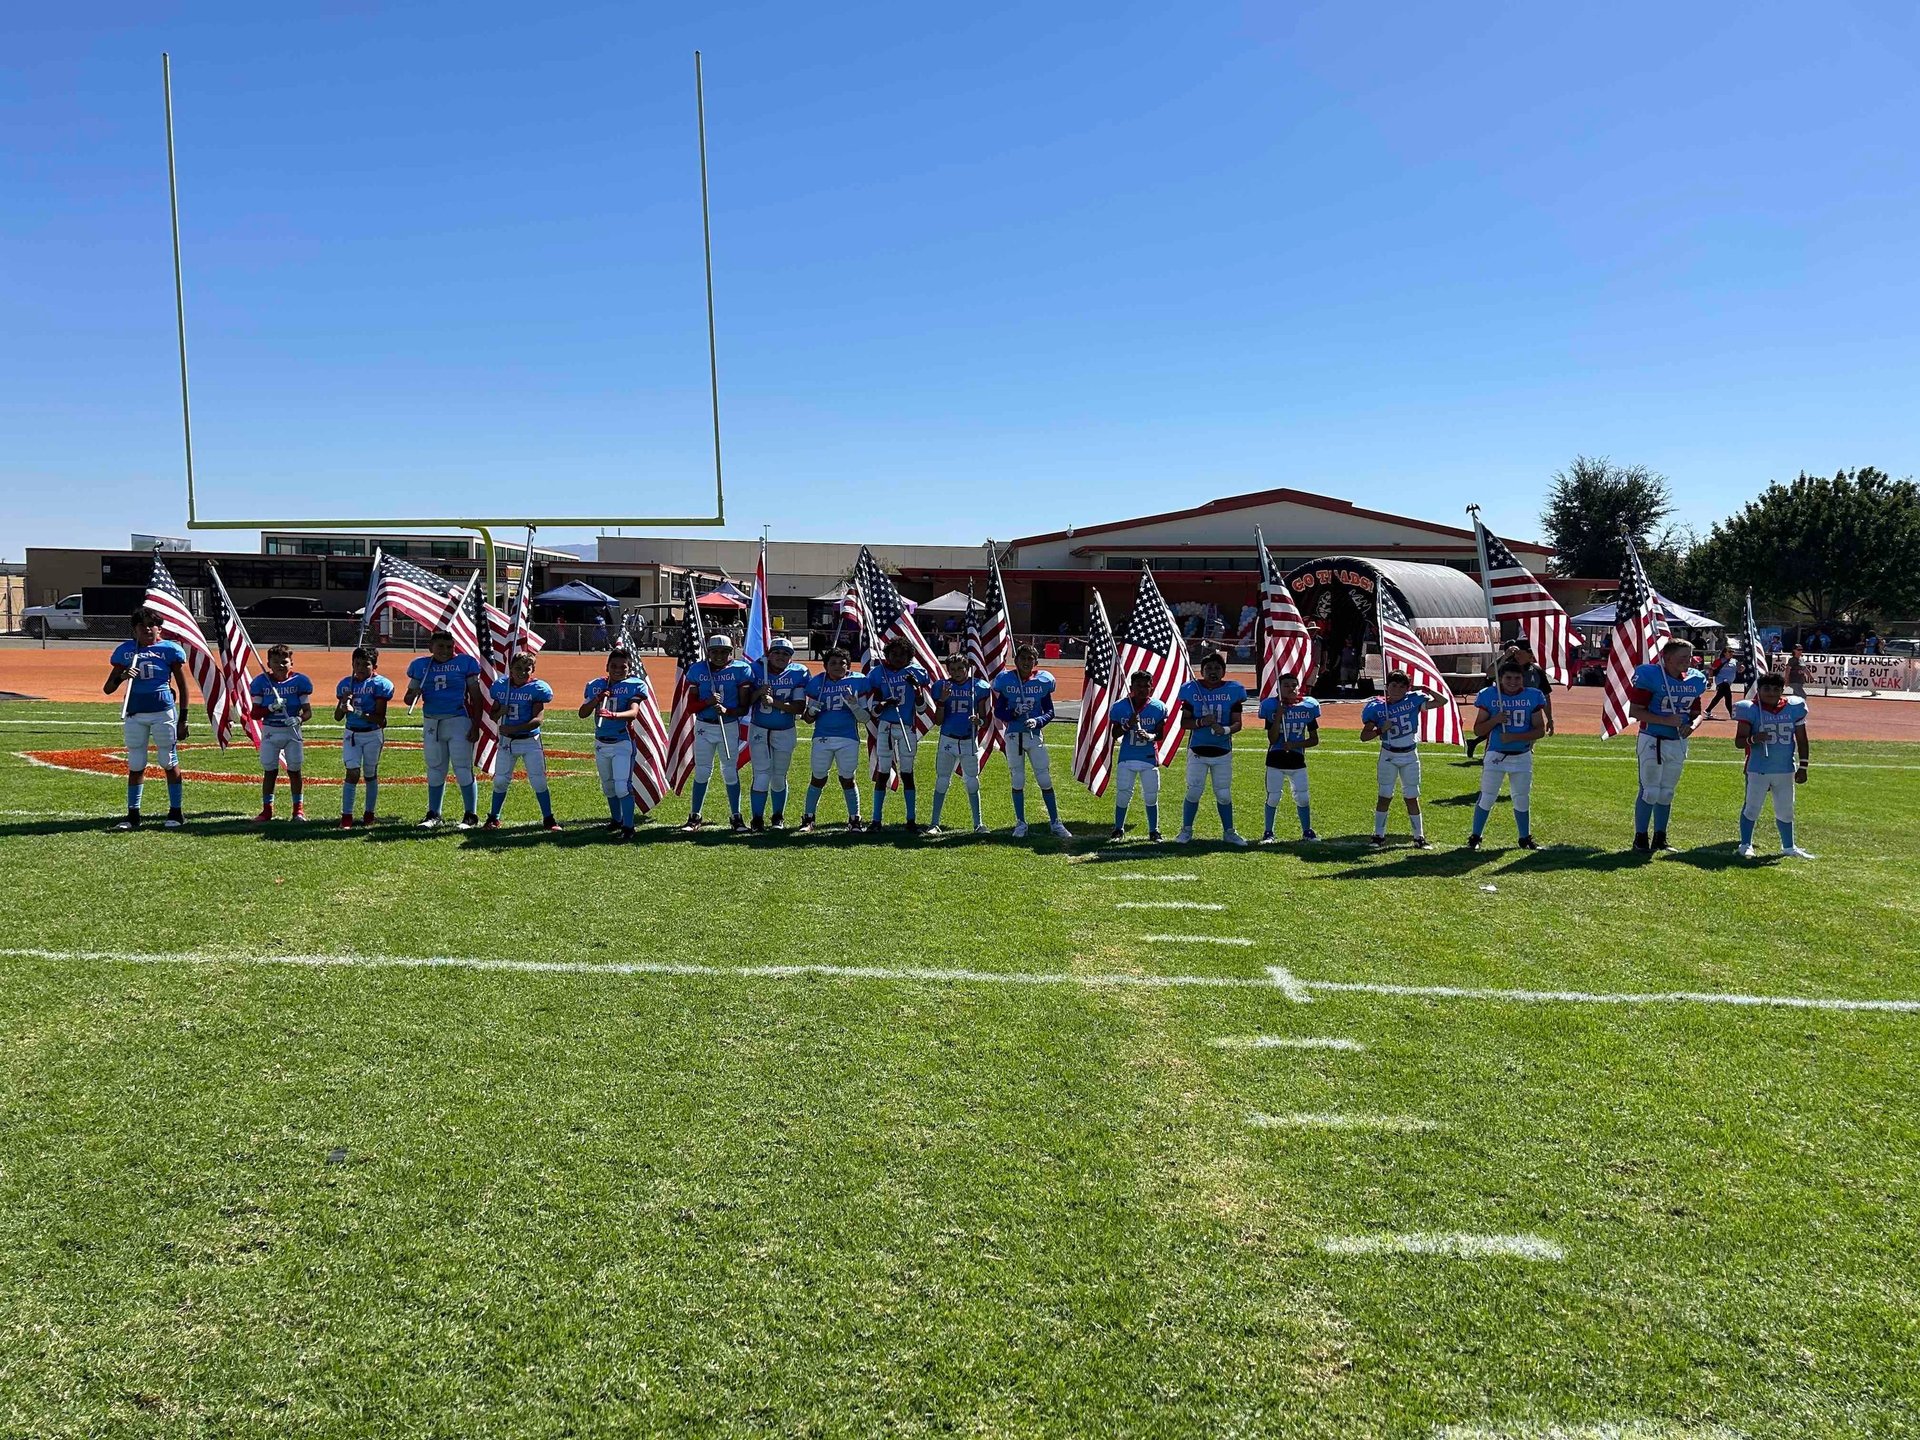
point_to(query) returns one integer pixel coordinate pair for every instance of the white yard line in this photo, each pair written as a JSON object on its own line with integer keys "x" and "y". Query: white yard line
{"x": 1288, "y": 986}
{"x": 1196, "y": 939}
{"x": 1164, "y": 904}
{"x": 1454, "y": 1244}
{"x": 1284, "y": 1042}
{"x": 1301, "y": 1120}
{"x": 1161, "y": 879}
{"x": 939, "y": 976}
{"x": 1590, "y": 1430}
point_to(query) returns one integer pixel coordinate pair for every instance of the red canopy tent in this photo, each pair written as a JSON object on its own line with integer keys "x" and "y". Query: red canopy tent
{"x": 717, "y": 600}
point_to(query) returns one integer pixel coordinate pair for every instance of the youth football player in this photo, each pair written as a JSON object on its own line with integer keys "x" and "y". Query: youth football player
{"x": 898, "y": 687}
{"x": 1137, "y": 722}
{"x": 1510, "y": 716}
{"x": 1394, "y": 720}
{"x": 1216, "y": 705}
{"x": 1664, "y": 696}
{"x": 154, "y": 713}
{"x": 614, "y": 701}
{"x": 451, "y": 698}
{"x": 779, "y": 695}
{"x": 964, "y": 703}
{"x": 517, "y": 702}
{"x": 1293, "y": 728}
{"x": 1023, "y": 700}
{"x": 720, "y": 686}
{"x": 1772, "y": 729}
{"x": 282, "y": 703}
{"x": 835, "y": 702}
{"x": 361, "y": 701}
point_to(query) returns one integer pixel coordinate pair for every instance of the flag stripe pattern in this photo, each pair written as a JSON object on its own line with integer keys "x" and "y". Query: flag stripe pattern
{"x": 166, "y": 598}
{"x": 474, "y": 634}
{"x": 677, "y": 759}
{"x": 1286, "y": 645}
{"x": 1758, "y": 660}
{"x": 1639, "y": 630}
{"x": 991, "y": 647}
{"x": 1093, "y": 732}
{"x": 886, "y": 616}
{"x": 433, "y": 601}
{"x": 649, "y": 738}
{"x": 1401, "y": 649}
{"x": 1152, "y": 642}
{"x": 237, "y": 658}
{"x": 1518, "y": 596}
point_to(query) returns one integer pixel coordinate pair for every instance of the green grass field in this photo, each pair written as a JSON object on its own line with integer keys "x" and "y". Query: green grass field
{"x": 556, "y": 1197}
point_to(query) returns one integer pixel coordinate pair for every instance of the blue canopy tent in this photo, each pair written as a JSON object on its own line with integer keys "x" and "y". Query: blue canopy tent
{"x": 1676, "y": 613}
{"x": 577, "y": 592}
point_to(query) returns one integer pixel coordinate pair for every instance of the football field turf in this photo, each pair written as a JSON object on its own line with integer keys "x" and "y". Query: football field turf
{"x": 826, "y": 1135}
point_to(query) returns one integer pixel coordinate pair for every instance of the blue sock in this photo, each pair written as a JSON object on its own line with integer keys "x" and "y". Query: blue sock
{"x": 134, "y": 787}
{"x": 1272, "y": 810}
{"x": 1662, "y": 814}
{"x": 1020, "y": 806}
{"x": 879, "y": 802}
{"x": 779, "y": 802}
{"x": 469, "y": 797}
{"x": 939, "y": 802}
{"x": 1119, "y": 816}
{"x": 1153, "y": 817}
{"x": 913, "y": 807}
{"x": 626, "y": 811}
{"x": 733, "y": 798}
{"x": 545, "y": 797}
{"x": 1746, "y": 829}
{"x": 759, "y": 803}
{"x": 499, "y": 800}
{"x": 1642, "y": 814}
{"x": 347, "y": 789}
{"x": 373, "y": 794}
{"x": 1226, "y": 819}
{"x": 699, "y": 798}
{"x": 1785, "y": 827}
{"x": 1306, "y": 819}
{"x": 973, "y": 803}
{"x": 613, "y": 807}
{"x": 1053, "y": 806}
{"x": 173, "y": 794}
{"x": 853, "y": 804}
{"x": 1524, "y": 819}
{"x": 813, "y": 800}
{"x": 1188, "y": 810}
{"x": 434, "y": 793}
{"x": 1480, "y": 819}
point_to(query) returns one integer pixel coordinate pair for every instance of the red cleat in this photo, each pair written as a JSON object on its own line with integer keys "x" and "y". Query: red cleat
{"x": 300, "y": 814}
{"x": 266, "y": 814}
{"x": 346, "y": 822}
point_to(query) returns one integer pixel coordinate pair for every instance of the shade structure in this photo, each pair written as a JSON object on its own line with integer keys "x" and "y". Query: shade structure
{"x": 575, "y": 592}
{"x": 1676, "y": 613}
{"x": 954, "y": 602}
{"x": 719, "y": 600}
{"x": 1447, "y": 607}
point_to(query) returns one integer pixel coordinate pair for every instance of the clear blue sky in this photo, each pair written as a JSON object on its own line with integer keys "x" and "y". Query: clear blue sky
{"x": 983, "y": 269}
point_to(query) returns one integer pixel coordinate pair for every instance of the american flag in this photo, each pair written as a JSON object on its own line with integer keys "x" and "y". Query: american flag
{"x": 649, "y": 738}
{"x": 1518, "y": 596}
{"x": 432, "y": 601}
{"x": 1758, "y": 661}
{"x": 1401, "y": 649}
{"x": 237, "y": 658}
{"x": 885, "y": 616}
{"x": 1152, "y": 642}
{"x": 517, "y": 625}
{"x": 1639, "y": 630}
{"x": 676, "y": 762}
{"x": 1093, "y": 731}
{"x": 990, "y": 644}
{"x": 166, "y": 598}
{"x": 474, "y": 634}
{"x": 1286, "y": 645}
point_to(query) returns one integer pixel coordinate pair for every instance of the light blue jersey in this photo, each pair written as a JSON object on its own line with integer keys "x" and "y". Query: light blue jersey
{"x": 519, "y": 705}
{"x": 895, "y": 694}
{"x": 1297, "y": 720}
{"x": 958, "y": 702}
{"x": 281, "y": 699}
{"x": 1513, "y": 717}
{"x": 1138, "y": 729}
{"x": 1210, "y": 708}
{"x": 1018, "y": 701}
{"x": 835, "y": 699}
{"x": 1670, "y": 700}
{"x": 149, "y": 674}
{"x": 623, "y": 694}
{"x": 443, "y": 685}
{"x": 786, "y": 686}
{"x": 721, "y": 682}
{"x": 1771, "y": 750}
{"x": 1399, "y": 720}
{"x": 363, "y": 699}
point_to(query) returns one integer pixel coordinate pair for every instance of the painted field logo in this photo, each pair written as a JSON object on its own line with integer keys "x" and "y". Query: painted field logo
{"x": 112, "y": 760}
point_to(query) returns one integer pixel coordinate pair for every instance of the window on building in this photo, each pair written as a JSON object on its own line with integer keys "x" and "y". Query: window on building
{"x": 270, "y": 574}
{"x": 138, "y": 570}
{"x": 346, "y": 575}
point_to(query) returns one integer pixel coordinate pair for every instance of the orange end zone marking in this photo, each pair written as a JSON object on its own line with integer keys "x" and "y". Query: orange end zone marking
{"x": 112, "y": 760}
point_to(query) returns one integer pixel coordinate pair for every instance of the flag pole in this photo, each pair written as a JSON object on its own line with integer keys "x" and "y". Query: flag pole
{"x": 1486, "y": 583}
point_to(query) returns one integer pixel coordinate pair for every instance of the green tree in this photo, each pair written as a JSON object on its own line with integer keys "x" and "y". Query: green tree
{"x": 1589, "y": 505}
{"x": 1826, "y": 548}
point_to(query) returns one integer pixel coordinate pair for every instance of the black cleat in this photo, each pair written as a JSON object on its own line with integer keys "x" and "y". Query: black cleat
{"x": 624, "y": 835}
{"x": 1527, "y": 842}
{"x": 1153, "y": 836}
{"x": 759, "y": 825}
{"x": 132, "y": 822}
{"x": 1640, "y": 841}
{"x": 1379, "y": 842}
{"x": 1420, "y": 842}
{"x": 913, "y": 827}
{"x": 1309, "y": 834}
{"x": 1473, "y": 842}
{"x": 736, "y": 823}
{"x": 1659, "y": 839}
{"x": 779, "y": 821}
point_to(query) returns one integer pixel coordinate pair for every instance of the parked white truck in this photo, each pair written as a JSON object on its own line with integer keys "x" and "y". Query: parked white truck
{"x": 65, "y": 616}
